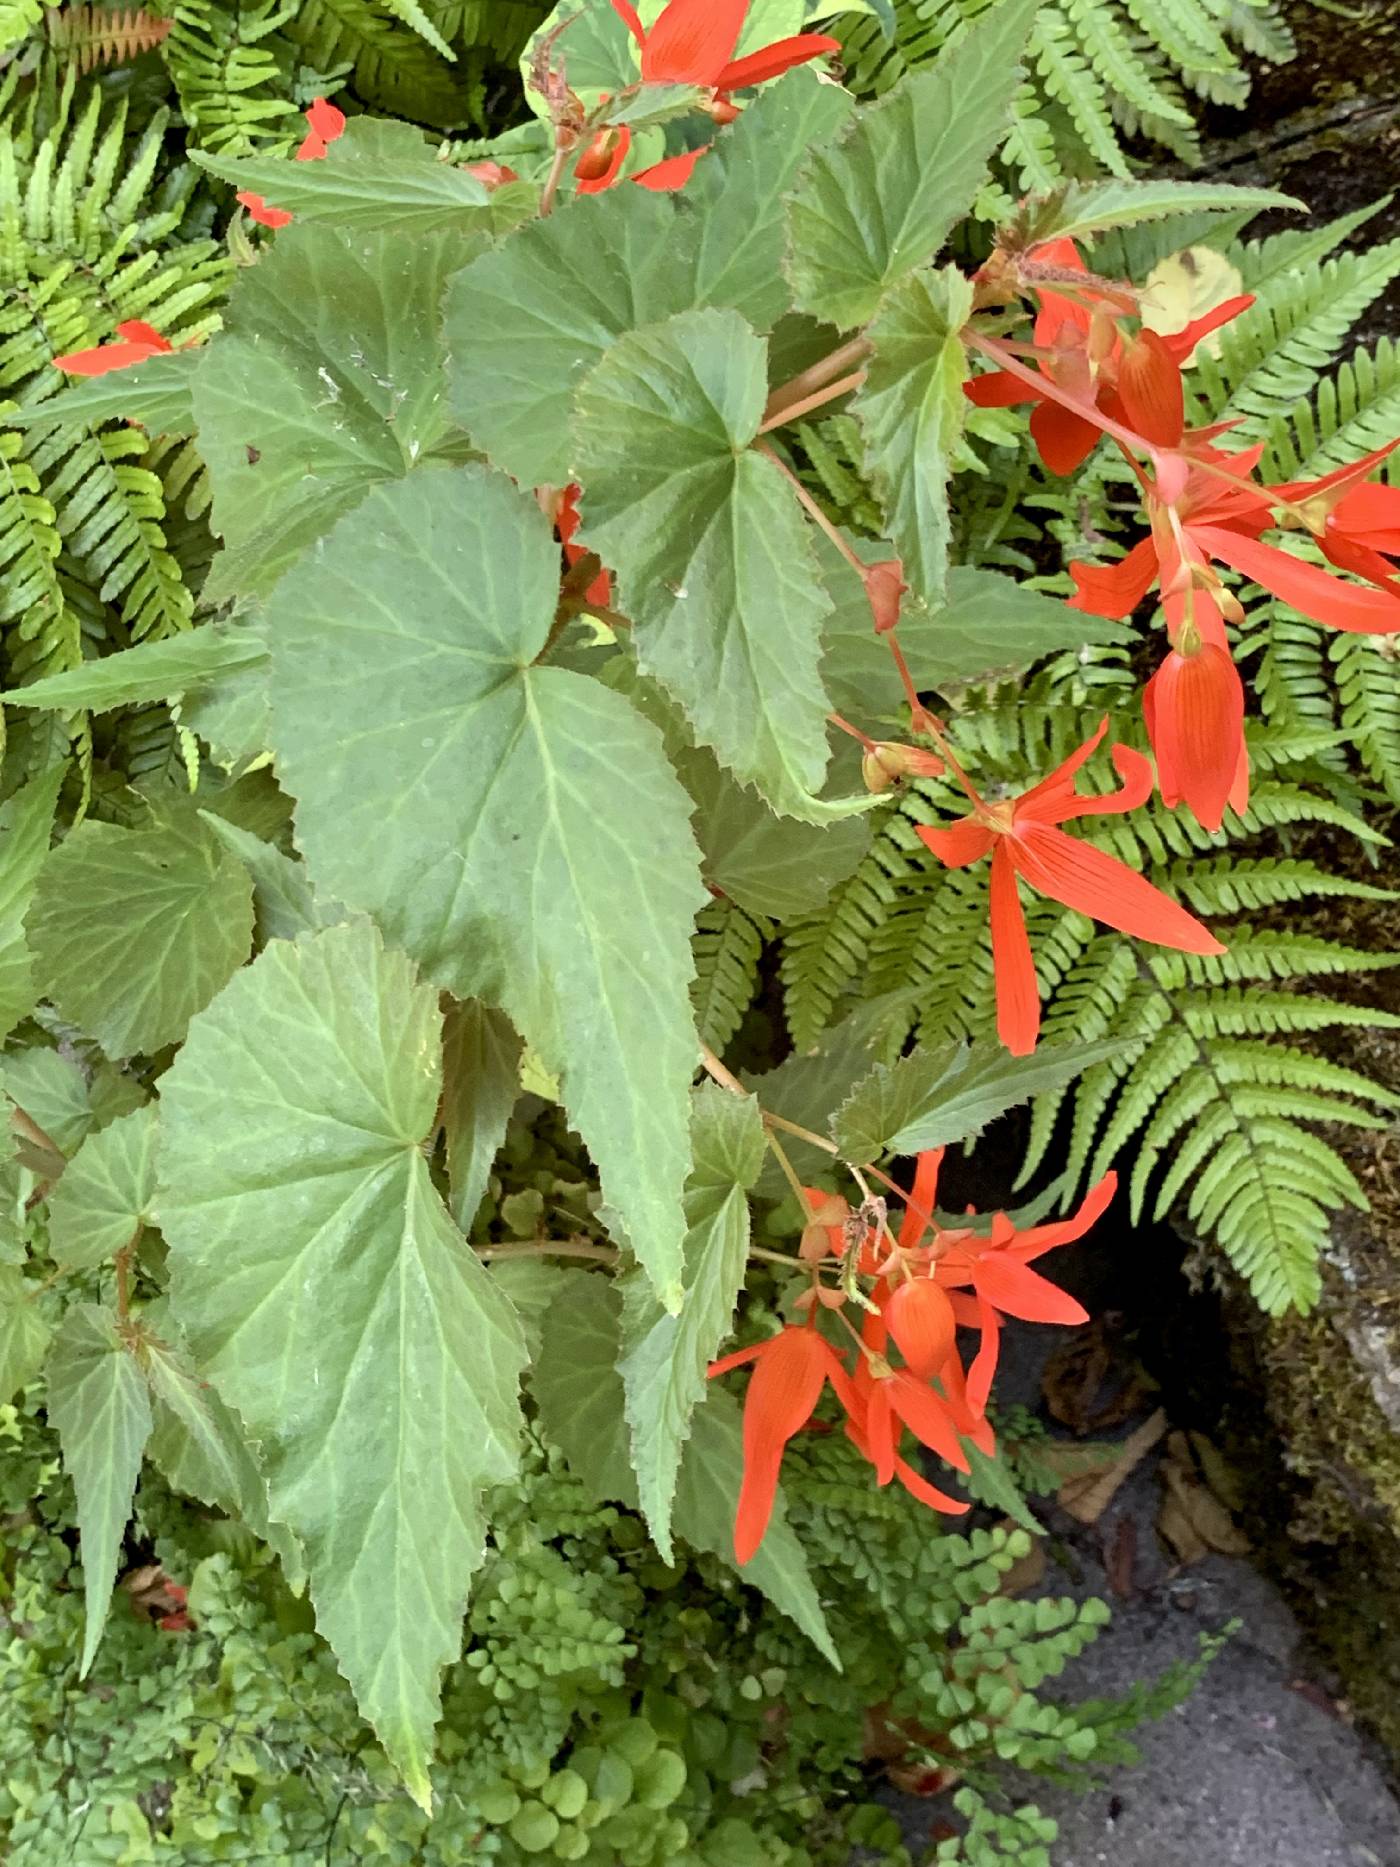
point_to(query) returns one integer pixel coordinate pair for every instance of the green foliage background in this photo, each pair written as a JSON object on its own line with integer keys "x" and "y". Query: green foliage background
{"x": 569, "y": 1732}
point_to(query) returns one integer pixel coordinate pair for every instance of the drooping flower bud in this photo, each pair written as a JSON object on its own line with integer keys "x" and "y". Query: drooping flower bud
{"x": 885, "y": 587}
{"x": 824, "y": 1234}
{"x": 922, "y": 1323}
{"x": 887, "y": 763}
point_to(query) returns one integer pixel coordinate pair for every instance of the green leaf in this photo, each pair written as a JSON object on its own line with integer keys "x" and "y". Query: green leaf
{"x": 329, "y": 1298}
{"x": 579, "y": 1393}
{"x": 990, "y": 1482}
{"x": 710, "y": 548}
{"x": 24, "y": 1332}
{"x": 524, "y": 324}
{"x": 232, "y": 711}
{"x": 200, "y": 1446}
{"x": 738, "y": 193}
{"x": 481, "y": 1085}
{"x": 133, "y": 931}
{"x": 515, "y": 827}
{"x": 326, "y": 380}
{"x": 98, "y": 1403}
{"x": 988, "y": 622}
{"x": 808, "y": 1086}
{"x": 949, "y": 1093}
{"x": 284, "y": 902}
{"x": 770, "y": 865}
{"x": 27, "y": 820}
{"x": 527, "y": 322}
{"x": 599, "y": 54}
{"x": 106, "y": 1192}
{"x": 880, "y": 203}
{"x": 911, "y": 411}
{"x": 156, "y": 393}
{"x": 378, "y": 175}
{"x": 1085, "y": 209}
{"x": 665, "y": 1357}
{"x": 53, "y": 1092}
{"x": 149, "y": 671}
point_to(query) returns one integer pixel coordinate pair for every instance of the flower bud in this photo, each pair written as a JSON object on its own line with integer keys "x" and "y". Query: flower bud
{"x": 887, "y": 763}
{"x": 885, "y": 587}
{"x": 600, "y": 155}
{"x": 921, "y": 1321}
{"x": 722, "y": 110}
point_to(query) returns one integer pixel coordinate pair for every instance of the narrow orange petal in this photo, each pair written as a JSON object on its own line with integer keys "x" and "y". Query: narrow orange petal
{"x": 1040, "y": 1238}
{"x": 259, "y": 210}
{"x": 1065, "y": 440}
{"x": 964, "y": 842}
{"x": 1149, "y": 384}
{"x": 1097, "y": 884}
{"x": 927, "y": 1416}
{"x": 693, "y": 41}
{"x": 1018, "y": 991}
{"x": 327, "y": 120}
{"x": 920, "y": 1488}
{"x": 1311, "y": 591}
{"x": 601, "y": 162}
{"x": 775, "y": 59}
{"x": 137, "y": 331}
{"x": 672, "y": 174}
{"x": 1194, "y": 706}
{"x": 923, "y": 1197}
{"x": 1115, "y": 590}
{"x": 1011, "y": 1286}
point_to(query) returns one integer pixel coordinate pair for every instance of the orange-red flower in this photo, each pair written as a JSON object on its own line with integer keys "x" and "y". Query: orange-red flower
{"x": 137, "y": 342}
{"x": 1134, "y": 379}
{"x": 790, "y": 1370}
{"x": 996, "y": 1270}
{"x": 693, "y": 42}
{"x": 599, "y": 592}
{"x": 1023, "y": 839}
{"x": 261, "y": 212}
{"x": 1355, "y": 520}
{"x": 325, "y": 124}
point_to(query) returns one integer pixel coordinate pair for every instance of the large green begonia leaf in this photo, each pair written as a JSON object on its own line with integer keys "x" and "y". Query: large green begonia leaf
{"x": 580, "y": 1396}
{"x": 710, "y": 549}
{"x": 330, "y": 1299}
{"x": 98, "y": 1402}
{"x": 665, "y": 1357}
{"x": 27, "y": 822}
{"x": 878, "y": 205}
{"x": 515, "y": 827}
{"x": 327, "y": 380}
{"x": 911, "y": 409}
{"x": 134, "y": 930}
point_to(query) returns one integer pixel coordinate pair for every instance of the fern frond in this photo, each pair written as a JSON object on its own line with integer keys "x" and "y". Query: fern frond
{"x": 728, "y": 946}
{"x": 233, "y": 92}
{"x": 89, "y": 36}
{"x": 1214, "y": 1072}
{"x": 394, "y": 69}
{"x": 1274, "y": 354}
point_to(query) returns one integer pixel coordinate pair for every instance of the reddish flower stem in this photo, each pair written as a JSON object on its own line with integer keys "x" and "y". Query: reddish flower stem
{"x": 816, "y": 376}
{"x": 811, "y": 507}
{"x": 817, "y": 399}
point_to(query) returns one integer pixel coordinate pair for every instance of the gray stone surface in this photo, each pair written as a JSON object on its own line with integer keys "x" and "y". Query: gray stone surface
{"x": 1257, "y": 1769}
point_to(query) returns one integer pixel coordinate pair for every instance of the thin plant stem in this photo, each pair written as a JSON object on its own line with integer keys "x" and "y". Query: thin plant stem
{"x": 800, "y": 1134}
{"x": 813, "y": 510}
{"x": 815, "y": 376}
{"x": 817, "y": 399}
{"x": 562, "y": 151}
{"x": 552, "y": 1248}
